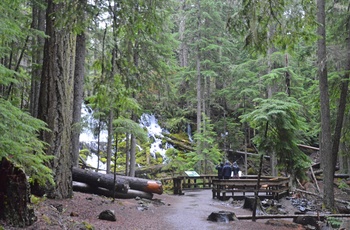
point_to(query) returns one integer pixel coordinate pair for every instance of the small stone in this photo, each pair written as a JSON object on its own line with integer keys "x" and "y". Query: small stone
{"x": 74, "y": 214}
{"x": 107, "y": 215}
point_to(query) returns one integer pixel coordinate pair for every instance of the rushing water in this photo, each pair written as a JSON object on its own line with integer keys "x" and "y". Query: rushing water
{"x": 90, "y": 141}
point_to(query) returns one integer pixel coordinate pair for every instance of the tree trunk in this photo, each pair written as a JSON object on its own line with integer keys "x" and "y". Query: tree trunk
{"x": 342, "y": 104}
{"x": 79, "y": 73}
{"x": 14, "y": 196}
{"x": 86, "y": 188}
{"x": 109, "y": 141}
{"x": 56, "y": 97}
{"x": 132, "y": 155}
{"x": 127, "y": 154}
{"x": 37, "y": 58}
{"x": 271, "y": 90}
{"x": 199, "y": 82}
{"x": 183, "y": 55}
{"x": 95, "y": 179}
{"x": 326, "y": 145}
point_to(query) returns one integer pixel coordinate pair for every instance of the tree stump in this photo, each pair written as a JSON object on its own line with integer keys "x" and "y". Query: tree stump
{"x": 14, "y": 196}
{"x": 222, "y": 216}
{"x": 249, "y": 204}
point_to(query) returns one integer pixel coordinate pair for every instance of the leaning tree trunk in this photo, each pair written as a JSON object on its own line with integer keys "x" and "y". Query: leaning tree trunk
{"x": 14, "y": 196}
{"x": 56, "y": 97}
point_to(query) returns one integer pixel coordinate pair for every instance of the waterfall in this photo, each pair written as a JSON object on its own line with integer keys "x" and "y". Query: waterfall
{"x": 154, "y": 130}
{"x": 189, "y": 132}
{"x": 89, "y": 140}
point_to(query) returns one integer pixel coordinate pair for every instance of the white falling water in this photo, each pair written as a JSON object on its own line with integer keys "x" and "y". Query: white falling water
{"x": 147, "y": 120}
{"x": 150, "y": 122}
{"x": 87, "y": 138}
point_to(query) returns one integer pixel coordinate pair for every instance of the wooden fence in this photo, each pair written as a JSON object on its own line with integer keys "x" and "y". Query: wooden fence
{"x": 270, "y": 187}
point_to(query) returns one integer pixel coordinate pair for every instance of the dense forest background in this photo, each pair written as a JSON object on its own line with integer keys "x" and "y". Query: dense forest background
{"x": 262, "y": 75}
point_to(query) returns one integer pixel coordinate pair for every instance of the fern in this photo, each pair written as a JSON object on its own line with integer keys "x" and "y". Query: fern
{"x": 279, "y": 129}
{"x": 19, "y": 142}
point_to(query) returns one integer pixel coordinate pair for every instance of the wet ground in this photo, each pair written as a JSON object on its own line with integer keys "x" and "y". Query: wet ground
{"x": 191, "y": 211}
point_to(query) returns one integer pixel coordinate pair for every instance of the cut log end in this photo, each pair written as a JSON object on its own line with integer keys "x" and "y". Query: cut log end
{"x": 154, "y": 186}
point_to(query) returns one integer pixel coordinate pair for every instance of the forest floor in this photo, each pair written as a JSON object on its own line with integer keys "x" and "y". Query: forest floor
{"x": 171, "y": 212}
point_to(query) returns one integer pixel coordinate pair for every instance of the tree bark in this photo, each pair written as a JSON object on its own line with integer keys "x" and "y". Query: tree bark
{"x": 131, "y": 193}
{"x": 135, "y": 183}
{"x": 95, "y": 179}
{"x": 132, "y": 155}
{"x": 56, "y": 97}
{"x": 37, "y": 58}
{"x": 327, "y": 158}
{"x": 14, "y": 196}
{"x": 199, "y": 81}
{"x": 79, "y": 73}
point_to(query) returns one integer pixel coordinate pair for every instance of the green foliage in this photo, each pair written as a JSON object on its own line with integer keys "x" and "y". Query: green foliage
{"x": 176, "y": 161}
{"x": 36, "y": 200}
{"x": 19, "y": 142}
{"x": 292, "y": 22}
{"x": 124, "y": 125}
{"x": 209, "y": 154}
{"x": 343, "y": 185}
{"x": 334, "y": 222}
{"x": 279, "y": 128}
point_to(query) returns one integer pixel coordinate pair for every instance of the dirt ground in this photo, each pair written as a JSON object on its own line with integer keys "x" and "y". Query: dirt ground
{"x": 171, "y": 212}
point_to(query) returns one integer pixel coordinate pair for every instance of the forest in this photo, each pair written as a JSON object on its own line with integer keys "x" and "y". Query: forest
{"x": 259, "y": 76}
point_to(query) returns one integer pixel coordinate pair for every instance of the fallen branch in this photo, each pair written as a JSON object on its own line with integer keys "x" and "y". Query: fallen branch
{"x": 321, "y": 216}
{"x": 314, "y": 178}
{"x": 321, "y": 196}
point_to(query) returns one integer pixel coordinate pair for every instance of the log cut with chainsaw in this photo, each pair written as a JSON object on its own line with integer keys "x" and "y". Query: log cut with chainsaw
{"x": 96, "y": 179}
{"x": 122, "y": 183}
{"x": 85, "y": 188}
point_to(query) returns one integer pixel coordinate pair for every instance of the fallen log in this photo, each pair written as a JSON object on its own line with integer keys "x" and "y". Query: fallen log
{"x": 141, "y": 184}
{"x": 85, "y": 188}
{"x": 320, "y": 216}
{"x": 321, "y": 196}
{"x": 135, "y": 183}
{"x": 96, "y": 179}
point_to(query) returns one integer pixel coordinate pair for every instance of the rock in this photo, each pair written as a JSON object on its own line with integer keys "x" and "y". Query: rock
{"x": 306, "y": 220}
{"x": 107, "y": 215}
{"x": 222, "y": 216}
{"x": 74, "y": 214}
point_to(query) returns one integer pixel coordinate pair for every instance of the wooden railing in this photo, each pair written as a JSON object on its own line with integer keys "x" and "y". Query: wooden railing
{"x": 270, "y": 187}
{"x": 181, "y": 183}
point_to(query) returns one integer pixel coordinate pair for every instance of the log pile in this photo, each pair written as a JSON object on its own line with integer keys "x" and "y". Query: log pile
{"x": 124, "y": 187}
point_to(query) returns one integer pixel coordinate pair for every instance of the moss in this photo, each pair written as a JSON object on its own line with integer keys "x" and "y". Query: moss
{"x": 36, "y": 200}
{"x": 47, "y": 219}
{"x": 88, "y": 226}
